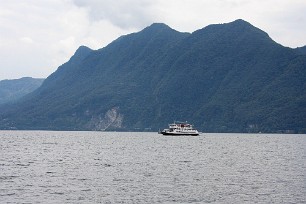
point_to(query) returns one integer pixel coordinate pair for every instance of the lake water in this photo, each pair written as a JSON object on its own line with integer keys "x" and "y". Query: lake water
{"x": 116, "y": 167}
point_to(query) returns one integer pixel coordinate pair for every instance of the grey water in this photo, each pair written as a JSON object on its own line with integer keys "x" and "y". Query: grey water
{"x": 117, "y": 167}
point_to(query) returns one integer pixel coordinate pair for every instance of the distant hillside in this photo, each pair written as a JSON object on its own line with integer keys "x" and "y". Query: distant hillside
{"x": 11, "y": 90}
{"x": 223, "y": 78}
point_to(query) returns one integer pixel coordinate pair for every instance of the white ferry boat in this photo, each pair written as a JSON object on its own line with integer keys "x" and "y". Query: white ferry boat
{"x": 180, "y": 128}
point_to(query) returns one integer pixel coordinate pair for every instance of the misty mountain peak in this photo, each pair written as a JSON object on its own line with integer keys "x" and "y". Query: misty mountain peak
{"x": 82, "y": 50}
{"x": 158, "y": 28}
{"x": 241, "y": 22}
{"x": 81, "y": 53}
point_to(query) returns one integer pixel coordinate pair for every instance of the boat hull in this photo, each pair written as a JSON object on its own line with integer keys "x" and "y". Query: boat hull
{"x": 179, "y": 134}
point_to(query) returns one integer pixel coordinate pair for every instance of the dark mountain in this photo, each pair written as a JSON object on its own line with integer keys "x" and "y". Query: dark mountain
{"x": 11, "y": 90}
{"x": 223, "y": 78}
{"x": 302, "y": 50}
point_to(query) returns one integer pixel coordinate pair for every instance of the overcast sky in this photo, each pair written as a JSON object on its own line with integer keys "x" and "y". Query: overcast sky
{"x": 37, "y": 36}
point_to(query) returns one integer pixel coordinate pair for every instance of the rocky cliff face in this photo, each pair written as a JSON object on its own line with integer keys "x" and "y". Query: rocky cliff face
{"x": 112, "y": 119}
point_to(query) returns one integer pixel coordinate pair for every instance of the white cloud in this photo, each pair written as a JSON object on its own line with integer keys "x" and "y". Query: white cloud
{"x": 126, "y": 14}
{"x": 26, "y": 40}
{"x": 38, "y": 36}
{"x": 283, "y": 20}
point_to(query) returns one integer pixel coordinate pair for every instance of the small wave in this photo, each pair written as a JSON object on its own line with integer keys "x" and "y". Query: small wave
{"x": 50, "y": 143}
{"x": 185, "y": 161}
{"x": 86, "y": 190}
{"x": 23, "y": 164}
{"x": 8, "y": 177}
{"x": 8, "y": 194}
{"x": 57, "y": 193}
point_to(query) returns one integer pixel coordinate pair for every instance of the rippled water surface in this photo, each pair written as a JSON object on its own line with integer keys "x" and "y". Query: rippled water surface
{"x": 112, "y": 167}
